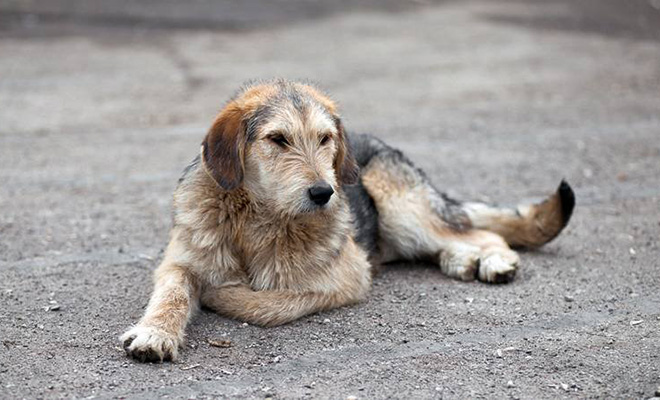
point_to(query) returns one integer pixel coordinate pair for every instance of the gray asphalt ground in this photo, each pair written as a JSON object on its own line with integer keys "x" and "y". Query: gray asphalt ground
{"x": 103, "y": 103}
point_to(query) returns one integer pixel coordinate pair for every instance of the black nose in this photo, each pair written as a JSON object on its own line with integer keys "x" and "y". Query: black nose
{"x": 320, "y": 193}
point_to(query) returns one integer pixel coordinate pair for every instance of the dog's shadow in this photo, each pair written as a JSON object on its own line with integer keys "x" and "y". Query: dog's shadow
{"x": 409, "y": 270}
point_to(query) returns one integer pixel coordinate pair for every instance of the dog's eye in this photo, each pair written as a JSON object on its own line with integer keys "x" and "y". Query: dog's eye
{"x": 279, "y": 140}
{"x": 325, "y": 139}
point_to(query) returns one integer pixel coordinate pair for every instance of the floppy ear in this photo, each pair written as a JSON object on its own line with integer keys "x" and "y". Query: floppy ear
{"x": 224, "y": 147}
{"x": 346, "y": 168}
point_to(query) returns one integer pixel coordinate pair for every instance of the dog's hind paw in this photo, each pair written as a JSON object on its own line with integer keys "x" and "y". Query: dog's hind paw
{"x": 148, "y": 344}
{"x": 498, "y": 268}
{"x": 461, "y": 262}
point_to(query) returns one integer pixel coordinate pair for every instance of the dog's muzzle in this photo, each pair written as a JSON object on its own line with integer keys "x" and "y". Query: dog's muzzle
{"x": 320, "y": 193}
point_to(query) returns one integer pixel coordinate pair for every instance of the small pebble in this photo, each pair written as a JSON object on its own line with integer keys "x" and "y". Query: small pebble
{"x": 509, "y": 384}
{"x": 636, "y": 322}
{"x": 568, "y": 298}
{"x": 224, "y": 343}
{"x": 621, "y": 177}
{"x": 657, "y": 392}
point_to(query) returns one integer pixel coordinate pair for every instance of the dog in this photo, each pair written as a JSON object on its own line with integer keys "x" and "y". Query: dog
{"x": 284, "y": 214}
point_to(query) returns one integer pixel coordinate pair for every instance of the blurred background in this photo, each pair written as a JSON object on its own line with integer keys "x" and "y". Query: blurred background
{"x": 104, "y": 102}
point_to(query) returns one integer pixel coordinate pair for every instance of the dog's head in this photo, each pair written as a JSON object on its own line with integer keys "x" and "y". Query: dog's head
{"x": 284, "y": 143}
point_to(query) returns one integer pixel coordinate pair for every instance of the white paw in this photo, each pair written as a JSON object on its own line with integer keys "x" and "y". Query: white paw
{"x": 498, "y": 268}
{"x": 148, "y": 344}
{"x": 460, "y": 262}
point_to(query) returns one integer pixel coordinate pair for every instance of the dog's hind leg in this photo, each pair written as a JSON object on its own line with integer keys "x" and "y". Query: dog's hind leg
{"x": 416, "y": 221}
{"x": 494, "y": 229}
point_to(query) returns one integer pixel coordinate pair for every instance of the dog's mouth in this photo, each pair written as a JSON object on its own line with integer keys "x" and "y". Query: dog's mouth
{"x": 309, "y": 208}
{"x": 313, "y": 208}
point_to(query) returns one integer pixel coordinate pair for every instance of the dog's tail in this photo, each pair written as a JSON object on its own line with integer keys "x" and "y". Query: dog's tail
{"x": 527, "y": 225}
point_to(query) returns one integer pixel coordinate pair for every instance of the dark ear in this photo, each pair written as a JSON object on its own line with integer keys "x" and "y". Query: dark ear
{"x": 224, "y": 147}
{"x": 346, "y": 168}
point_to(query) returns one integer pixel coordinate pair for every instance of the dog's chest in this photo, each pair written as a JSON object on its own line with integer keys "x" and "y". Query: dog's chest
{"x": 295, "y": 257}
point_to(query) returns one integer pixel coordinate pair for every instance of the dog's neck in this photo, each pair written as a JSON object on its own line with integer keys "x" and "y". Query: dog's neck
{"x": 289, "y": 252}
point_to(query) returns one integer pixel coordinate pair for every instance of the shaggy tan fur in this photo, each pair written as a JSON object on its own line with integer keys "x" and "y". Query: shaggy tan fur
{"x": 248, "y": 243}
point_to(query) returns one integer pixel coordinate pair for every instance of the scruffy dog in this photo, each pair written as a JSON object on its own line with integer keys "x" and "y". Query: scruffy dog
{"x": 283, "y": 215}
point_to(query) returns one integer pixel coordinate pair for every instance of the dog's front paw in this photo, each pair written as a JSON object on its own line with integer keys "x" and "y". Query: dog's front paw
{"x": 148, "y": 344}
{"x": 498, "y": 268}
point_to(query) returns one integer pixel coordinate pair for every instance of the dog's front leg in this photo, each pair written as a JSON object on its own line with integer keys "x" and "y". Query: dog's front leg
{"x": 160, "y": 332}
{"x": 346, "y": 282}
{"x": 271, "y": 307}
